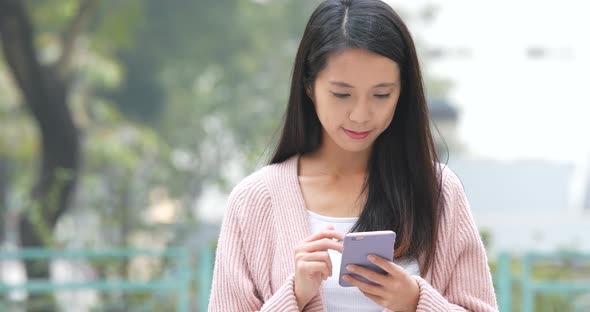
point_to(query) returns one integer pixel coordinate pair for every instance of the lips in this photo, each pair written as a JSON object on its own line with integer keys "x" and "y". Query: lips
{"x": 357, "y": 135}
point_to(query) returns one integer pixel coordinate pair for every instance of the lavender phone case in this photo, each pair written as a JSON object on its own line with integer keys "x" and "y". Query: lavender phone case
{"x": 357, "y": 246}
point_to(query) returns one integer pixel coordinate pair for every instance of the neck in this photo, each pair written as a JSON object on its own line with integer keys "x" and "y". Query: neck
{"x": 336, "y": 161}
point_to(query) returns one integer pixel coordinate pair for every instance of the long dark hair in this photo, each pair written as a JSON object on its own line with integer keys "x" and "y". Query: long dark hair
{"x": 402, "y": 186}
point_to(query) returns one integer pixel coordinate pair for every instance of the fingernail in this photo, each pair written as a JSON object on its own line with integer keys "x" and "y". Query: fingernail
{"x": 371, "y": 258}
{"x": 350, "y": 268}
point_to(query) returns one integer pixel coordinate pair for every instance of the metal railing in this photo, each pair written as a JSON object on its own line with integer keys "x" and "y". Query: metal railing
{"x": 178, "y": 281}
{"x": 531, "y": 286}
{"x": 180, "y": 278}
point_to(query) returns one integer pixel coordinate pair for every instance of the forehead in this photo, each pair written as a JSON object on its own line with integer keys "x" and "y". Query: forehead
{"x": 359, "y": 67}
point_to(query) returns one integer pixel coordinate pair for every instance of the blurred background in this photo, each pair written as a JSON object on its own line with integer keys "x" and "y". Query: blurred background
{"x": 125, "y": 124}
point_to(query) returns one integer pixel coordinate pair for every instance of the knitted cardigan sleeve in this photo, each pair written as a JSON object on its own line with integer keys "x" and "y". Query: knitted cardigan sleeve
{"x": 460, "y": 273}
{"x": 233, "y": 287}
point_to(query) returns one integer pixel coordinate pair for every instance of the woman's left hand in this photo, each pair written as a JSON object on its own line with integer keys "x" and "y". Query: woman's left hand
{"x": 397, "y": 291}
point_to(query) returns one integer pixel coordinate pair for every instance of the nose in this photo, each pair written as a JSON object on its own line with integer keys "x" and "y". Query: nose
{"x": 361, "y": 112}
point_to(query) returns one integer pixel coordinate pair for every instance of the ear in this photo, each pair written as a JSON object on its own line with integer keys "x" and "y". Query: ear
{"x": 310, "y": 93}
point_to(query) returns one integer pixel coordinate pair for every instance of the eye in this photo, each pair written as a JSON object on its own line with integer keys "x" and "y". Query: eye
{"x": 382, "y": 96}
{"x": 340, "y": 95}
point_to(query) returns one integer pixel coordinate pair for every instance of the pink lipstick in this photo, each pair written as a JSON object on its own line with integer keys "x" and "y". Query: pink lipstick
{"x": 356, "y": 135}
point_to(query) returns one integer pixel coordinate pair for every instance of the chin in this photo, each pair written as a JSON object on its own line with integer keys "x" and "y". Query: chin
{"x": 355, "y": 148}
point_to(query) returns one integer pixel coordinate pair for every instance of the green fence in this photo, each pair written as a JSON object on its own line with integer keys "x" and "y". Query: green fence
{"x": 205, "y": 276}
{"x": 177, "y": 282}
{"x": 517, "y": 273}
{"x": 511, "y": 272}
{"x": 517, "y": 283}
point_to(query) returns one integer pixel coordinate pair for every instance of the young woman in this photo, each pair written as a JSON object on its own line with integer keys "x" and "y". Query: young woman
{"x": 356, "y": 154}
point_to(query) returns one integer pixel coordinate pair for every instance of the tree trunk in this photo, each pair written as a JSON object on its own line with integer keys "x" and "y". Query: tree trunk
{"x": 44, "y": 93}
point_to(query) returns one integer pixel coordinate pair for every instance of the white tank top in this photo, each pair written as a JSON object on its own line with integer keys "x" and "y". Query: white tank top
{"x": 344, "y": 299}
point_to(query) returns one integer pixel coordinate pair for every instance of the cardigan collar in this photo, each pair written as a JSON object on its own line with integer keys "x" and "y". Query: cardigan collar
{"x": 295, "y": 218}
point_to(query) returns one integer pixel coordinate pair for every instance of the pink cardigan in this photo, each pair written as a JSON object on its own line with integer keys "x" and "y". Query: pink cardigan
{"x": 266, "y": 218}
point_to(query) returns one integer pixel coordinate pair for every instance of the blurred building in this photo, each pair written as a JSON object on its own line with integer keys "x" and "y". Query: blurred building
{"x": 524, "y": 204}
{"x": 444, "y": 129}
{"x": 445, "y": 118}
{"x": 444, "y": 115}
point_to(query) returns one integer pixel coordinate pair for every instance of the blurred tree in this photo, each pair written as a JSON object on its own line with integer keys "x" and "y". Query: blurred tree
{"x": 222, "y": 66}
{"x": 202, "y": 73}
{"x": 16, "y": 150}
{"x": 44, "y": 90}
{"x": 227, "y": 92}
{"x": 57, "y": 70}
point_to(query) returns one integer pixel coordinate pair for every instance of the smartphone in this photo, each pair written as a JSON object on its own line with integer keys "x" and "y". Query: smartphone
{"x": 357, "y": 246}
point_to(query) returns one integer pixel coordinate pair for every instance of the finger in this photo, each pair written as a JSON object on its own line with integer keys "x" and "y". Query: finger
{"x": 321, "y": 245}
{"x": 376, "y": 290}
{"x": 326, "y": 233}
{"x": 320, "y": 256}
{"x": 388, "y": 266}
{"x": 371, "y": 275}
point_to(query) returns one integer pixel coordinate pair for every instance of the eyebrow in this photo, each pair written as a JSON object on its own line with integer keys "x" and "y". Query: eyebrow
{"x": 346, "y": 85}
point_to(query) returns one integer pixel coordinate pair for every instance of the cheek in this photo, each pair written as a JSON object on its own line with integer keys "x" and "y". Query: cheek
{"x": 327, "y": 111}
{"x": 387, "y": 116}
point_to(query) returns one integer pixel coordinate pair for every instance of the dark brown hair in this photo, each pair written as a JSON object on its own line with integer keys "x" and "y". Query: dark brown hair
{"x": 403, "y": 187}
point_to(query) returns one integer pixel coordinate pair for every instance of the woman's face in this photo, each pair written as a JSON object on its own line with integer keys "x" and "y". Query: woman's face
{"x": 355, "y": 96}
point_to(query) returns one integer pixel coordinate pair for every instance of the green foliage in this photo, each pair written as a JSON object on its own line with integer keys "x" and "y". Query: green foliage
{"x": 101, "y": 72}
{"x": 567, "y": 268}
{"x": 166, "y": 94}
{"x": 117, "y": 24}
{"x": 237, "y": 95}
{"x": 49, "y": 15}
{"x": 486, "y": 237}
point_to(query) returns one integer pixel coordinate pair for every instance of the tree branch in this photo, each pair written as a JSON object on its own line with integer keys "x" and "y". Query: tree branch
{"x": 72, "y": 32}
{"x": 16, "y": 34}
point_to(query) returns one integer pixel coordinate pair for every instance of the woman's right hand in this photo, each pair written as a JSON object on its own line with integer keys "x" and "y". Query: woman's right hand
{"x": 313, "y": 264}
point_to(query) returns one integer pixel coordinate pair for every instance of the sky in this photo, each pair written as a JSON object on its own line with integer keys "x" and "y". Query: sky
{"x": 513, "y": 106}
